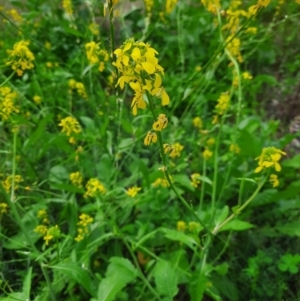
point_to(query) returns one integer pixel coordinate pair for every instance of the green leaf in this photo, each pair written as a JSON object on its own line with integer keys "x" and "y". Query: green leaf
{"x": 75, "y": 272}
{"x": 179, "y": 236}
{"x": 294, "y": 162}
{"x": 183, "y": 180}
{"x": 236, "y": 225}
{"x": 126, "y": 143}
{"x": 27, "y": 283}
{"x": 88, "y": 122}
{"x": 291, "y": 229}
{"x": 165, "y": 279}
{"x": 58, "y": 174}
{"x": 119, "y": 273}
{"x": 222, "y": 269}
{"x": 221, "y": 215}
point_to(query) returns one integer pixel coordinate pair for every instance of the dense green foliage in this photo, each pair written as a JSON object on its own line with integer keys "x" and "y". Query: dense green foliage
{"x": 147, "y": 150}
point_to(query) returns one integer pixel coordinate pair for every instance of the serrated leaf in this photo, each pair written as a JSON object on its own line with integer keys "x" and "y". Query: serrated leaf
{"x": 75, "y": 272}
{"x": 236, "y": 225}
{"x": 165, "y": 279}
{"x": 179, "y": 236}
{"x": 119, "y": 273}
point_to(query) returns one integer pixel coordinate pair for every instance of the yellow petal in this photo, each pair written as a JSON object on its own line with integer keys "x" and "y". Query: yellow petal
{"x": 136, "y": 54}
{"x": 258, "y": 169}
{"x": 277, "y": 167}
{"x": 148, "y": 67}
{"x": 158, "y": 81}
{"x": 127, "y": 46}
{"x": 165, "y": 98}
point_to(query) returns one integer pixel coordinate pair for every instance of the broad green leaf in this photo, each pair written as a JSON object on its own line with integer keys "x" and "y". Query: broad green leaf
{"x": 221, "y": 215}
{"x": 125, "y": 143}
{"x": 183, "y": 180}
{"x": 197, "y": 285}
{"x": 75, "y": 272}
{"x": 222, "y": 269}
{"x": 294, "y": 162}
{"x": 165, "y": 279}
{"x": 88, "y": 122}
{"x": 15, "y": 297}
{"x": 291, "y": 229}
{"x": 119, "y": 273}
{"x": 179, "y": 236}
{"x": 58, "y": 174}
{"x": 236, "y": 225}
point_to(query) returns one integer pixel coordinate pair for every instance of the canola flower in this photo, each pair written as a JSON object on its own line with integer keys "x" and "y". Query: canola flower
{"x": 133, "y": 191}
{"x": 7, "y": 102}
{"x": 7, "y": 183}
{"x": 20, "y": 57}
{"x": 94, "y": 29}
{"x": 207, "y": 154}
{"x": 234, "y": 148}
{"x": 96, "y": 55}
{"x": 37, "y": 99}
{"x": 41, "y": 229}
{"x": 195, "y": 177}
{"x": 269, "y": 158}
{"x": 181, "y": 226}
{"x": 43, "y": 216}
{"x": 67, "y": 6}
{"x": 70, "y": 126}
{"x": 84, "y": 221}
{"x": 161, "y": 123}
{"x": 138, "y": 66}
{"x": 197, "y": 122}
{"x": 93, "y": 187}
{"x": 3, "y": 208}
{"x": 193, "y": 226}
{"x": 150, "y": 138}
{"x": 223, "y": 103}
{"x": 211, "y": 5}
{"x": 52, "y": 232}
{"x": 274, "y": 180}
{"x": 160, "y": 182}
{"x": 76, "y": 179}
{"x": 170, "y": 5}
{"x": 173, "y": 150}
{"x": 79, "y": 87}
{"x": 14, "y": 14}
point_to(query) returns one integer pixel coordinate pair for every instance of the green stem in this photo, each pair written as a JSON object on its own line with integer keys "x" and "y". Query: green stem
{"x": 7, "y": 79}
{"x": 240, "y": 209}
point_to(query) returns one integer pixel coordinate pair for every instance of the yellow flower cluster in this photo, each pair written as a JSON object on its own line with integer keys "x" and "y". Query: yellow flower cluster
{"x": 13, "y": 13}
{"x": 82, "y": 231}
{"x": 269, "y": 157}
{"x": 133, "y": 191}
{"x": 223, "y": 103}
{"x": 234, "y": 148}
{"x": 211, "y": 5}
{"x": 149, "y": 5}
{"x": 96, "y": 55}
{"x": 52, "y": 232}
{"x": 170, "y": 5}
{"x": 192, "y": 226}
{"x": 7, "y": 183}
{"x": 274, "y": 180}
{"x": 76, "y": 179}
{"x": 161, "y": 182}
{"x": 71, "y": 127}
{"x": 94, "y": 29}
{"x": 195, "y": 177}
{"x": 197, "y": 122}
{"x": 93, "y": 187}
{"x": 79, "y": 87}
{"x": 67, "y": 6}
{"x": 138, "y": 66}
{"x": 3, "y": 208}
{"x": 7, "y": 102}
{"x": 37, "y": 99}
{"x": 20, "y": 57}
{"x": 207, "y": 154}
{"x": 43, "y": 216}
{"x": 174, "y": 150}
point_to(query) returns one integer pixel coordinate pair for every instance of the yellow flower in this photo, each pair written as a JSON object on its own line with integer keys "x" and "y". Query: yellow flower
{"x": 94, "y": 28}
{"x": 197, "y": 122}
{"x": 223, "y": 103}
{"x": 70, "y": 125}
{"x": 133, "y": 191}
{"x": 176, "y": 150}
{"x": 20, "y": 57}
{"x": 194, "y": 226}
{"x": 269, "y": 157}
{"x": 150, "y": 138}
{"x": 92, "y": 50}
{"x": 52, "y": 232}
{"x": 67, "y": 6}
{"x": 215, "y": 119}
{"x": 234, "y": 148}
{"x": 7, "y": 102}
{"x": 211, "y": 141}
{"x": 207, "y": 154}
{"x": 15, "y": 15}
{"x": 233, "y": 46}
{"x": 41, "y": 229}
{"x": 195, "y": 179}
{"x": 3, "y": 208}
{"x": 81, "y": 89}
{"x": 246, "y": 75}
{"x": 138, "y": 101}
{"x": 161, "y": 182}
{"x": 37, "y": 99}
{"x": 211, "y": 5}
{"x": 274, "y": 180}
{"x": 161, "y": 123}
{"x": 181, "y": 226}
{"x": 85, "y": 220}
{"x": 94, "y": 186}
{"x": 263, "y": 3}
{"x": 76, "y": 179}
{"x": 7, "y": 183}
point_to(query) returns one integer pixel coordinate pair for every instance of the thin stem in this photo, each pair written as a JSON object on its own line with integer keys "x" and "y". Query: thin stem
{"x": 7, "y": 79}
{"x": 240, "y": 209}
